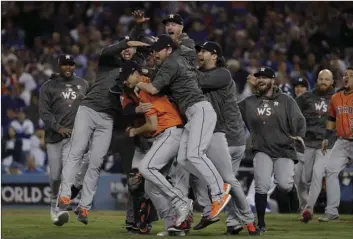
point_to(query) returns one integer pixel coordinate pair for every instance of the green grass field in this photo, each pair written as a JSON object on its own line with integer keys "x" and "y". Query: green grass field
{"x": 25, "y": 224}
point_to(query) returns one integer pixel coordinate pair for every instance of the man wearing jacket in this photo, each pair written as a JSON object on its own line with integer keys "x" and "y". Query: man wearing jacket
{"x": 94, "y": 121}
{"x": 314, "y": 106}
{"x": 59, "y": 101}
{"x": 274, "y": 121}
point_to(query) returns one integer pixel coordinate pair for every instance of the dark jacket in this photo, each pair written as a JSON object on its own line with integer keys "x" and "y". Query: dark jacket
{"x": 315, "y": 110}
{"x": 59, "y": 99}
{"x": 271, "y": 121}
{"x": 181, "y": 78}
{"x": 99, "y": 96}
{"x": 217, "y": 84}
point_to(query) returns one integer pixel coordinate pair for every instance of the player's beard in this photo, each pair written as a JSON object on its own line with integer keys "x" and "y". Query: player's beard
{"x": 263, "y": 90}
{"x": 323, "y": 89}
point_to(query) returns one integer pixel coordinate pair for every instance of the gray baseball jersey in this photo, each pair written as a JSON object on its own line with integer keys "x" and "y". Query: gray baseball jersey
{"x": 272, "y": 121}
{"x": 177, "y": 74}
{"x": 59, "y": 99}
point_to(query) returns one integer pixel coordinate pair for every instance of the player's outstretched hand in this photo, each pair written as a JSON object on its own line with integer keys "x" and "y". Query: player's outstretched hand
{"x": 143, "y": 107}
{"x": 324, "y": 146}
{"x": 140, "y": 16}
{"x": 65, "y": 132}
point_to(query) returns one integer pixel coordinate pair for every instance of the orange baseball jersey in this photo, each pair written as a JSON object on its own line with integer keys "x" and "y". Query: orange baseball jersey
{"x": 341, "y": 109}
{"x": 167, "y": 113}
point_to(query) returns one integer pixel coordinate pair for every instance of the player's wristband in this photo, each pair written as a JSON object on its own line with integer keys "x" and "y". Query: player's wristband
{"x": 329, "y": 133}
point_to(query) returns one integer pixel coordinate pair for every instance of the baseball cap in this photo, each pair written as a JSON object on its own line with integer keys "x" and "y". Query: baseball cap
{"x": 163, "y": 41}
{"x": 128, "y": 68}
{"x": 265, "y": 72}
{"x": 210, "y": 46}
{"x": 176, "y": 18}
{"x": 301, "y": 81}
{"x": 66, "y": 60}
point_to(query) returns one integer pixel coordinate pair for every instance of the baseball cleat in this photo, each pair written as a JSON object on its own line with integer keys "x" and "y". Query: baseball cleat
{"x": 261, "y": 229}
{"x": 234, "y": 230}
{"x": 82, "y": 215}
{"x": 184, "y": 226}
{"x": 252, "y": 229}
{"x": 64, "y": 203}
{"x": 218, "y": 205}
{"x": 62, "y": 218}
{"x": 205, "y": 222}
{"x": 306, "y": 216}
{"x": 53, "y": 215}
{"x": 226, "y": 187}
{"x": 184, "y": 211}
{"x": 328, "y": 218}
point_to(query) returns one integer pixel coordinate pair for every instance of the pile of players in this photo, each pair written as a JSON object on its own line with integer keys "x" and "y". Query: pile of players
{"x": 188, "y": 131}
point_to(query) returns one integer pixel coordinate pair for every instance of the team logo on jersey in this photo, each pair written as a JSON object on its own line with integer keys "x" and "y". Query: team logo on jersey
{"x": 79, "y": 87}
{"x": 69, "y": 94}
{"x": 264, "y": 111}
{"x": 276, "y": 103}
{"x": 321, "y": 107}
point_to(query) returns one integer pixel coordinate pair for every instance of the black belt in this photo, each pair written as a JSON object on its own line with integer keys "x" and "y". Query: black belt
{"x": 348, "y": 139}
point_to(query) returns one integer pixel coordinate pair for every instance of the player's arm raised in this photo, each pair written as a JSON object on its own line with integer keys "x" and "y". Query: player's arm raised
{"x": 330, "y": 126}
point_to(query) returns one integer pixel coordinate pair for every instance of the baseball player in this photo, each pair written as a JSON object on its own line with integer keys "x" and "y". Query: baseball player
{"x": 340, "y": 118}
{"x": 217, "y": 84}
{"x": 274, "y": 121}
{"x": 176, "y": 73}
{"x": 314, "y": 106}
{"x": 94, "y": 121}
{"x": 59, "y": 100}
{"x": 163, "y": 125}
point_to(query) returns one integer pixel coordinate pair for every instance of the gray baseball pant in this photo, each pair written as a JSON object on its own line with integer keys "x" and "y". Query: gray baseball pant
{"x": 154, "y": 167}
{"x": 94, "y": 126}
{"x": 218, "y": 152}
{"x": 265, "y": 166}
{"x": 302, "y": 188}
{"x": 314, "y": 170}
{"x": 57, "y": 154}
{"x": 234, "y": 217}
{"x": 164, "y": 149}
{"x": 194, "y": 142}
{"x": 338, "y": 159}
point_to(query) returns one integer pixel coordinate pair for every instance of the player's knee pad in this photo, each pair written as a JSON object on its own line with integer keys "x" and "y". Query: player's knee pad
{"x": 135, "y": 182}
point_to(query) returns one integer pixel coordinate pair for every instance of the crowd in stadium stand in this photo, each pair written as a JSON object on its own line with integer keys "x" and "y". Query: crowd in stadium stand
{"x": 297, "y": 40}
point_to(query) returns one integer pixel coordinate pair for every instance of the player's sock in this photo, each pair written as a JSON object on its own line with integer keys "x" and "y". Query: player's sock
{"x": 260, "y": 203}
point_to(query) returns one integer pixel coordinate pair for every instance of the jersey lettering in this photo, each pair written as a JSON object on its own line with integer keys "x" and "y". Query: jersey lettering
{"x": 322, "y": 107}
{"x": 69, "y": 95}
{"x": 264, "y": 111}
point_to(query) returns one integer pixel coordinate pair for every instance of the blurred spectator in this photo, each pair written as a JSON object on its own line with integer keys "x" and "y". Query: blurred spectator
{"x": 301, "y": 85}
{"x": 24, "y": 130}
{"x": 81, "y": 61}
{"x": 31, "y": 166}
{"x": 11, "y": 153}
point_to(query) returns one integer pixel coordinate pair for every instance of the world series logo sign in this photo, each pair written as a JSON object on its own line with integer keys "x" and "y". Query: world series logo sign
{"x": 25, "y": 194}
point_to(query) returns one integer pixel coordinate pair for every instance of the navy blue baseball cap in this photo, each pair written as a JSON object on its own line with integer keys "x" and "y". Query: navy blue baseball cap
{"x": 176, "y": 18}
{"x": 266, "y": 72}
{"x": 163, "y": 41}
{"x": 210, "y": 46}
{"x": 301, "y": 81}
{"x": 128, "y": 68}
{"x": 66, "y": 59}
